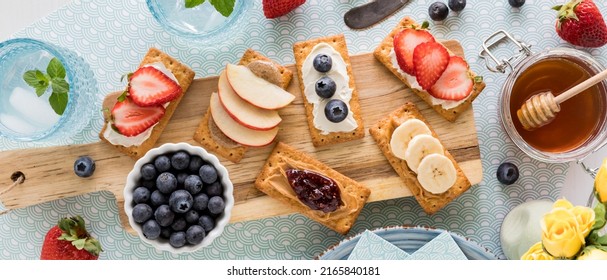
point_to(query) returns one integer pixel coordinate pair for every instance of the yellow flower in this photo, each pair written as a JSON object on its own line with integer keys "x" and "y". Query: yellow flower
{"x": 561, "y": 236}
{"x": 585, "y": 218}
{"x": 593, "y": 254}
{"x": 600, "y": 182}
{"x": 562, "y": 203}
{"x": 536, "y": 253}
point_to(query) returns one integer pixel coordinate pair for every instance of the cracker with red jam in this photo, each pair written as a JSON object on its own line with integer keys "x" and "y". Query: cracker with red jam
{"x": 312, "y": 188}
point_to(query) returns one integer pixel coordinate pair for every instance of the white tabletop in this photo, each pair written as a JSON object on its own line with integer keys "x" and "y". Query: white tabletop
{"x": 16, "y": 15}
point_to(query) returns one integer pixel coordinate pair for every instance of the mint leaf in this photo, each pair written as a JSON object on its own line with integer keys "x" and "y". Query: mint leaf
{"x": 41, "y": 90}
{"x": 58, "y": 102}
{"x": 193, "y": 3}
{"x": 30, "y": 78}
{"x": 37, "y": 80}
{"x": 60, "y": 85}
{"x": 224, "y": 7}
{"x": 55, "y": 69}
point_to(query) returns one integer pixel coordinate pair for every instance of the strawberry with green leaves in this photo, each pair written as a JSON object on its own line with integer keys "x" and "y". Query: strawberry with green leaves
{"x": 69, "y": 240}
{"x": 580, "y": 23}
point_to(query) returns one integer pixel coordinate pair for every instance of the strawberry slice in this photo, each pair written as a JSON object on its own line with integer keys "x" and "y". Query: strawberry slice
{"x": 131, "y": 119}
{"x": 454, "y": 83}
{"x": 404, "y": 45}
{"x": 430, "y": 60}
{"x": 149, "y": 86}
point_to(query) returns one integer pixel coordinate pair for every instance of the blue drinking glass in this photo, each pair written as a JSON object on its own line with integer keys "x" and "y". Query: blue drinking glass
{"x": 24, "y": 116}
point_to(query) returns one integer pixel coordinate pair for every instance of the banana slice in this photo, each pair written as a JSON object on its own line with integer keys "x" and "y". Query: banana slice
{"x": 404, "y": 133}
{"x": 419, "y": 147}
{"x": 436, "y": 173}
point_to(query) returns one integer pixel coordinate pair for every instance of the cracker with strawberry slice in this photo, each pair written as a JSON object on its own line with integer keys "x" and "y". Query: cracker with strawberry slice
{"x": 442, "y": 79}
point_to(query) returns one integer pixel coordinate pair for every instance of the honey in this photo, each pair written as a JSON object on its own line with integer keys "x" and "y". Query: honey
{"x": 580, "y": 117}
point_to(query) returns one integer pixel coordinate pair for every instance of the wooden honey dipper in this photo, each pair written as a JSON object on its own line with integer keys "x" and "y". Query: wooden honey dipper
{"x": 541, "y": 109}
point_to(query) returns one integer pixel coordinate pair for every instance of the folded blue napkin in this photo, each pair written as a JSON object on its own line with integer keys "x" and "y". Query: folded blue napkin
{"x": 442, "y": 247}
{"x": 372, "y": 247}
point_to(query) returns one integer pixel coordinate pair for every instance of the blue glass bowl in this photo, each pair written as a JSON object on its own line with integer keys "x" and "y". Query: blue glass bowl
{"x": 31, "y": 122}
{"x": 193, "y": 23}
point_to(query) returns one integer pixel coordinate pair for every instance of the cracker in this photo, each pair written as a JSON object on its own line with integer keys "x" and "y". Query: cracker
{"x": 382, "y": 53}
{"x": 214, "y": 140}
{"x": 184, "y": 76}
{"x": 353, "y": 194}
{"x": 301, "y": 51}
{"x": 382, "y": 133}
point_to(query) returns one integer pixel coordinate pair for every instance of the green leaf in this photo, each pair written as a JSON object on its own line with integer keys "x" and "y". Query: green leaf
{"x": 41, "y": 90}
{"x": 30, "y": 78}
{"x": 55, "y": 69}
{"x": 37, "y": 80}
{"x": 79, "y": 243}
{"x": 128, "y": 77}
{"x": 478, "y": 79}
{"x": 599, "y": 216}
{"x": 60, "y": 85}
{"x": 193, "y": 3}
{"x": 224, "y": 7}
{"x": 602, "y": 240}
{"x": 122, "y": 97}
{"x": 58, "y": 102}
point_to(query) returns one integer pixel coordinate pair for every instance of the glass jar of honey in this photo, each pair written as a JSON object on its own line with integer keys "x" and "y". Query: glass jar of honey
{"x": 580, "y": 128}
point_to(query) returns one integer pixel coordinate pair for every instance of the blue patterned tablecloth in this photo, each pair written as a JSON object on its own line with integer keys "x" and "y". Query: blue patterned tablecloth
{"x": 113, "y": 35}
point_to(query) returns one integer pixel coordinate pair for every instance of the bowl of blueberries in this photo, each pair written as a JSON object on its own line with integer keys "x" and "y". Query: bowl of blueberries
{"x": 178, "y": 197}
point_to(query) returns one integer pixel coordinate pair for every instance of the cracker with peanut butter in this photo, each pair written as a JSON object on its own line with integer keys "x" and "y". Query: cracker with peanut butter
{"x": 184, "y": 76}
{"x": 352, "y": 127}
{"x": 383, "y": 132}
{"x": 211, "y": 137}
{"x": 342, "y": 199}
{"x": 383, "y": 54}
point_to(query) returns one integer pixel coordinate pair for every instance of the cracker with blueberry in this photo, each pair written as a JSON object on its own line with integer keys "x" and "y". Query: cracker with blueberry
{"x": 210, "y": 135}
{"x": 329, "y": 91}
{"x": 295, "y": 179}
{"x": 439, "y": 77}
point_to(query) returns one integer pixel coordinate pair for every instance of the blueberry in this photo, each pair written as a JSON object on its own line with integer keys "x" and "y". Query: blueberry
{"x": 151, "y": 229}
{"x": 164, "y": 216}
{"x": 336, "y": 110}
{"x": 192, "y": 217}
{"x": 438, "y": 11}
{"x": 177, "y": 239}
{"x": 195, "y": 163}
{"x": 457, "y": 5}
{"x": 84, "y": 166}
{"x": 507, "y": 173}
{"x": 162, "y": 163}
{"x": 180, "y": 160}
{"x": 179, "y": 224}
{"x": 214, "y": 189}
{"x": 166, "y": 232}
{"x": 200, "y": 202}
{"x": 157, "y": 198}
{"x": 325, "y": 87}
{"x": 195, "y": 234}
{"x": 322, "y": 63}
{"x": 516, "y": 3}
{"x": 150, "y": 184}
{"x": 208, "y": 174}
{"x": 142, "y": 212}
{"x": 216, "y": 205}
{"x": 181, "y": 201}
{"x": 193, "y": 184}
{"x": 141, "y": 195}
{"x": 206, "y": 222}
{"x": 166, "y": 183}
{"x": 148, "y": 171}
{"x": 181, "y": 178}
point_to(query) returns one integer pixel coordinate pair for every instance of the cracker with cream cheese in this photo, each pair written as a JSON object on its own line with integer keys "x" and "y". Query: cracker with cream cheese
{"x": 273, "y": 182}
{"x": 184, "y": 76}
{"x": 383, "y": 54}
{"x": 301, "y": 52}
{"x": 382, "y": 133}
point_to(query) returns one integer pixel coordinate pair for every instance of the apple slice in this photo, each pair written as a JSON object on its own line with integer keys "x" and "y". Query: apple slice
{"x": 235, "y": 131}
{"x": 243, "y": 112}
{"x": 256, "y": 90}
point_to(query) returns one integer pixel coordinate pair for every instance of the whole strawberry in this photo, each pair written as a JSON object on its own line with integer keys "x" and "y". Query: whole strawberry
{"x": 580, "y": 23}
{"x": 69, "y": 240}
{"x": 277, "y": 8}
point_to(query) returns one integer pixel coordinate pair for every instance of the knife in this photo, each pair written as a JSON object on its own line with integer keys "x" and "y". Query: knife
{"x": 372, "y": 13}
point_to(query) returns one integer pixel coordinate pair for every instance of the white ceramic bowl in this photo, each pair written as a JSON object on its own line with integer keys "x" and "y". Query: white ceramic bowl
{"x": 132, "y": 183}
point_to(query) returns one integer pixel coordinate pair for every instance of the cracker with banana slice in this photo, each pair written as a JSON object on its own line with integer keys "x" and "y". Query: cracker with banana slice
{"x": 420, "y": 159}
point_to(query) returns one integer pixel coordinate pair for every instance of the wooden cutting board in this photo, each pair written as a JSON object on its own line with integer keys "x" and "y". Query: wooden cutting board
{"x": 49, "y": 171}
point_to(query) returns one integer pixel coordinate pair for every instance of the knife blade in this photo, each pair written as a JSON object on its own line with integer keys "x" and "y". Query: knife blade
{"x": 371, "y": 13}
